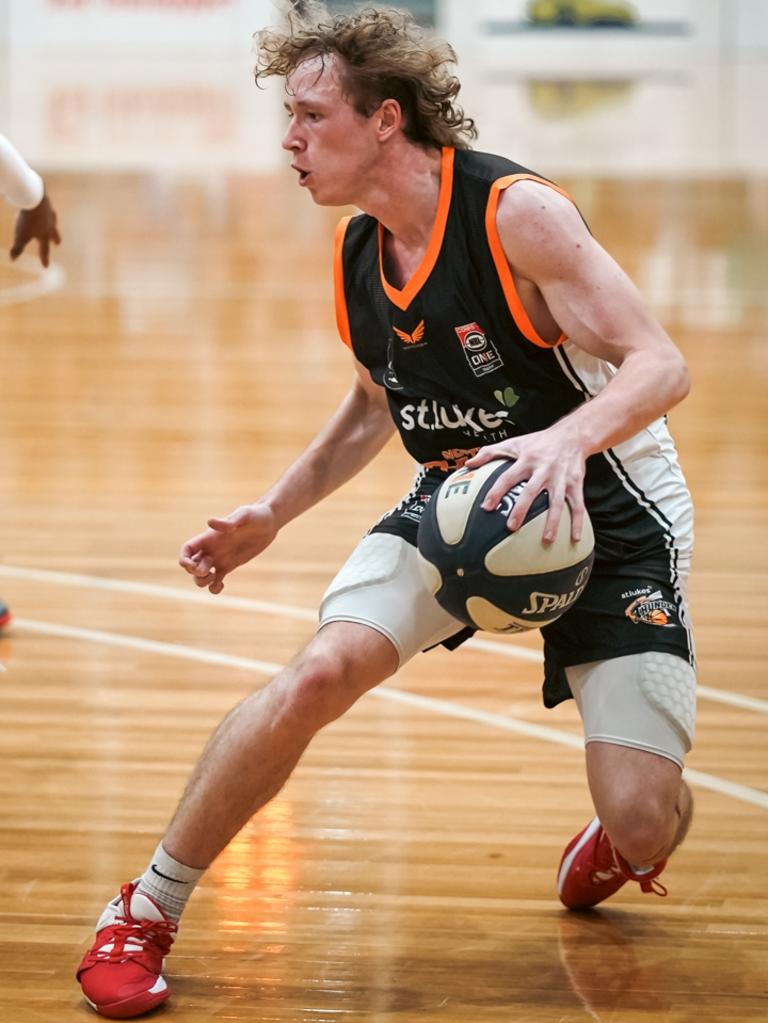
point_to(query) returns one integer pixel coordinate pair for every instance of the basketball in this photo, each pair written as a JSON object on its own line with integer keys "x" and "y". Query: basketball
{"x": 492, "y": 579}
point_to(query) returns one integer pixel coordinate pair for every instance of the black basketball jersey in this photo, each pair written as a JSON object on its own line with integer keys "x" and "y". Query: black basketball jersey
{"x": 463, "y": 366}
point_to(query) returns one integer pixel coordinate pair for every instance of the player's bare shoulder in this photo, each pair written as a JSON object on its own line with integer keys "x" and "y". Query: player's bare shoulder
{"x": 538, "y": 222}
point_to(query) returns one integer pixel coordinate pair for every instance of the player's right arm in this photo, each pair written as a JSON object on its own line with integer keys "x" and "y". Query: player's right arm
{"x": 350, "y": 439}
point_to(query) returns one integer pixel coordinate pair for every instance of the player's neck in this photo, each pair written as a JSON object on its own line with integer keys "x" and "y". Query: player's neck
{"x": 405, "y": 192}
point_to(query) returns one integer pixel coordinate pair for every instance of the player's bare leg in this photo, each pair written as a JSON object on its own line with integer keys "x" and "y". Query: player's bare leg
{"x": 246, "y": 762}
{"x": 641, "y": 800}
{"x": 253, "y": 751}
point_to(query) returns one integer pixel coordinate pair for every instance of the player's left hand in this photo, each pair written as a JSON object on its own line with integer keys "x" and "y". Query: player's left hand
{"x": 549, "y": 460}
{"x": 38, "y": 223}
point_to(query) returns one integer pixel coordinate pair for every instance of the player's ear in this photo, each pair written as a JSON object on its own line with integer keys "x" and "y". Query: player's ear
{"x": 390, "y": 118}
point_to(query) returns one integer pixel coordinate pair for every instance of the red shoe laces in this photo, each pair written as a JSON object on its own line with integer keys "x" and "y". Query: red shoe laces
{"x": 157, "y": 933}
{"x": 653, "y": 885}
{"x": 607, "y": 864}
{"x": 648, "y": 884}
{"x": 604, "y": 864}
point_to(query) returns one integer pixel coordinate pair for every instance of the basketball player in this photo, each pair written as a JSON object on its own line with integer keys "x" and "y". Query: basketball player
{"x": 24, "y": 189}
{"x": 574, "y": 385}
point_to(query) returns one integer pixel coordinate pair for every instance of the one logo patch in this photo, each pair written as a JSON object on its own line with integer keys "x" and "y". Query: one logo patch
{"x": 479, "y": 351}
{"x": 651, "y": 608}
{"x": 416, "y": 338}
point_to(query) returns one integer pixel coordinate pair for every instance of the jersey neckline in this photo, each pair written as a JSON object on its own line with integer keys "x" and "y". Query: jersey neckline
{"x": 402, "y": 297}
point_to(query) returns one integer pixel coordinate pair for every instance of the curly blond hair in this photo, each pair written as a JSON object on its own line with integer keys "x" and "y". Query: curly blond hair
{"x": 383, "y": 55}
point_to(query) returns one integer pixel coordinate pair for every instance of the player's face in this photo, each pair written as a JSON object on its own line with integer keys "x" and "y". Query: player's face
{"x": 333, "y": 147}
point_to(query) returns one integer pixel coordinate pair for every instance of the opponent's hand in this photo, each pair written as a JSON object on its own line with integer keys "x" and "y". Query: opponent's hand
{"x": 38, "y": 223}
{"x": 549, "y": 460}
{"x": 210, "y": 556}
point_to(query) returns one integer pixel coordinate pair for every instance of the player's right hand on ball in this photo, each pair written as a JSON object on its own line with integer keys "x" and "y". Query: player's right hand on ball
{"x": 210, "y": 556}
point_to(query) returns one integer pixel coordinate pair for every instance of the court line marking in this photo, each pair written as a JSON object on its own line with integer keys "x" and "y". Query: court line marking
{"x": 305, "y": 615}
{"x": 43, "y": 283}
{"x": 504, "y": 722}
{"x": 194, "y": 596}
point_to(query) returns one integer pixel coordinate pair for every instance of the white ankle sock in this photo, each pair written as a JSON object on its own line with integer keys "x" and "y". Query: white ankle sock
{"x": 169, "y": 882}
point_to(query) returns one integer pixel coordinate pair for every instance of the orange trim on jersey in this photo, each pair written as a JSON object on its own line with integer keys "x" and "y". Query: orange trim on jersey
{"x": 402, "y": 297}
{"x": 519, "y": 315}
{"x": 342, "y": 314}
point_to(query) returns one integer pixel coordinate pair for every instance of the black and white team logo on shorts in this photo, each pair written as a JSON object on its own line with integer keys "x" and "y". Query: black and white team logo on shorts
{"x": 414, "y": 509}
{"x": 479, "y": 350}
{"x": 650, "y": 607}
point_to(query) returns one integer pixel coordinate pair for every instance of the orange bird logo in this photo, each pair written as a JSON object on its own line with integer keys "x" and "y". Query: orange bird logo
{"x": 414, "y": 338}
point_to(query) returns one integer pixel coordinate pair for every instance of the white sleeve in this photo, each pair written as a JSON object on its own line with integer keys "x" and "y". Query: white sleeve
{"x": 21, "y": 186}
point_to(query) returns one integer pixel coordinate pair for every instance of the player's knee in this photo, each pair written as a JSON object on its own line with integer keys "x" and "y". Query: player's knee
{"x": 318, "y": 692}
{"x": 641, "y": 828}
{"x": 329, "y": 676}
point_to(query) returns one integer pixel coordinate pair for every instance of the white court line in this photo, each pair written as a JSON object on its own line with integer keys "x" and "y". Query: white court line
{"x": 191, "y": 595}
{"x": 149, "y": 646}
{"x": 305, "y": 615}
{"x": 428, "y": 703}
{"x": 43, "y": 283}
{"x": 520, "y": 653}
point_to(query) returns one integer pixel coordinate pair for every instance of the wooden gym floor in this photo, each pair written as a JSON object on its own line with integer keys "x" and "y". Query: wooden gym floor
{"x": 180, "y": 353}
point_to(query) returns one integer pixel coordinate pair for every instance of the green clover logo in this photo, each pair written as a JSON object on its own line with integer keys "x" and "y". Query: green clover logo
{"x": 507, "y": 397}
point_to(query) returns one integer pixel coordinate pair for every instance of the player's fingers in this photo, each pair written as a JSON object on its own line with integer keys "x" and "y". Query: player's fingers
{"x": 18, "y": 248}
{"x": 555, "y": 513}
{"x": 217, "y": 585}
{"x": 45, "y": 247}
{"x": 191, "y": 548}
{"x": 205, "y": 578}
{"x": 189, "y": 555}
{"x": 486, "y": 454}
{"x": 56, "y": 236}
{"x": 576, "y": 504}
{"x": 522, "y": 504}
{"x": 508, "y": 479}
{"x": 523, "y": 501}
{"x": 203, "y": 566}
{"x": 226, "y": 525}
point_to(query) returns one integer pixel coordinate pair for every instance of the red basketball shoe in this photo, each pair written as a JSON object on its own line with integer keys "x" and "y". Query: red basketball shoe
{"x": 5, "y": 615}
{"x": 592, "y": 870}
{"x": 121, "y": 972}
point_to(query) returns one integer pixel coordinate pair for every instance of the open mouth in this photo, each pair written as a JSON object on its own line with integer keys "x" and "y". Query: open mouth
{"x": 303, "y": 175}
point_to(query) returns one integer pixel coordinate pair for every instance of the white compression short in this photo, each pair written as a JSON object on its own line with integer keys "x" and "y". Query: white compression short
{"x": 642, "y": 700}
{"x": 645, "y": 700}
{"x": 380, "y": 585}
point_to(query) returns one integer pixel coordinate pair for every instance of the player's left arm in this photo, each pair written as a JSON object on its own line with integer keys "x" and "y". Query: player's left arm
{"x": 599, "y": 309}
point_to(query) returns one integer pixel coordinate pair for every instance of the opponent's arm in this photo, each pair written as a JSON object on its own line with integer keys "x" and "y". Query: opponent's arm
{"x": 599, "y": 309}
{"x": 23, "y": 187}
{"x": 352, "y": 437}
